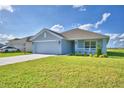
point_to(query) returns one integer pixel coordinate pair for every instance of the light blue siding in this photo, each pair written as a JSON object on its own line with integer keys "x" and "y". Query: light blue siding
{"x": 104, "y": 44}
{"x": 66, "y": 46}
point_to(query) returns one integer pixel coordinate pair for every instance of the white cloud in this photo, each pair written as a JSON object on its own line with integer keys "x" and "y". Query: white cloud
{"x": 122, "y": 40}
{"x": 80, "y": 7}
{"x": 98, "y": 31}
{"x": 4, "y": 38}
{"x": 7, "y": 8}
{"x": 96, "y": 25}
{"x": 104, "y": 18}
{"x": 113, "y": 36}
{"x": 122, "y": 35}
{"x": 86, "y": 26}
{"x": 57, "y": 28}
{"x": 115, "y": 40}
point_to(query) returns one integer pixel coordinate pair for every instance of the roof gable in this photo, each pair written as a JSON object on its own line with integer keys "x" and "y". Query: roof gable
{"x": 49, "y": 31}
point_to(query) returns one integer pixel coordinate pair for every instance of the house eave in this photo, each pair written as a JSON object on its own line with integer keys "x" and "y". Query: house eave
{"x": 83, "y": 38}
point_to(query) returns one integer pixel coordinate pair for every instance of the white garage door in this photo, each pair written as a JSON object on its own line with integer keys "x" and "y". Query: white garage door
{"x": 51, "y": 47}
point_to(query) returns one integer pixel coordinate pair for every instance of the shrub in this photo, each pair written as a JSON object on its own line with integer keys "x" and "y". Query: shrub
{"x": 103, "y": 56}
{"x": 85, "y": 54}
{"x": 6, "y": 51}
{"x": 95, "y": 55}
{"x": 90, "y": 54}
{"x": 98, "y": 50}
{"x": 78, "y": 54}
{"x": 72, "y": 54}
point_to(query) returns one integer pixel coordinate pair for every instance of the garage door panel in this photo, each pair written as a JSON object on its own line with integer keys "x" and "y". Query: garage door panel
{"x": 48, "y": 47}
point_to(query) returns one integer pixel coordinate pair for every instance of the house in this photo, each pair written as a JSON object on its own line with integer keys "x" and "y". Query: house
{"x": 75, "y": 40}
{"x": 1, "y": 45}
{"x": 23, "y": 44}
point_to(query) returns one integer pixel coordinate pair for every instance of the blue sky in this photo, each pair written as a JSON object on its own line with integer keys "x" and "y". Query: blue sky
{"x": 21, "y": 21}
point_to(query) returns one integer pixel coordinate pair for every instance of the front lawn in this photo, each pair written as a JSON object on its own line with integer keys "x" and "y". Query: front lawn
{"x": 13, "y": 54}
{"x": 65, "y": 71}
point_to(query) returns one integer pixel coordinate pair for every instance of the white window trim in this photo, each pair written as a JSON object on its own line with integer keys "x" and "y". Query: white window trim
{"x": 89, "y": 45}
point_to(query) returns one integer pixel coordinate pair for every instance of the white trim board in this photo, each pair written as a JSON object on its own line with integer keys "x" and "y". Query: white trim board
{"x": 47, "y": 41}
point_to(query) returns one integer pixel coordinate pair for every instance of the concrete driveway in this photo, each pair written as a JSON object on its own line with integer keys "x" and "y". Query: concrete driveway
{"x": 22, "y": 58}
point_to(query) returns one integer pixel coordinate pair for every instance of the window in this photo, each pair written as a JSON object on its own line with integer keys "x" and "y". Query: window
{"x": 44, "y": 35}
{"x": 80, "y": 44}
{"x": 93, "y": 44}
{"x": 87, "y": 44}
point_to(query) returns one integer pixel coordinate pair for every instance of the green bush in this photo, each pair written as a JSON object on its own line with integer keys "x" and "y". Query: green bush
{"x": 85, "y": 54}
{"x": 72, "y": 54}
{"x": 90, "y": 54}
{"x": 98, "y": 50}
{"x": 95, "y": 55}
{"x": 78, "y": 54}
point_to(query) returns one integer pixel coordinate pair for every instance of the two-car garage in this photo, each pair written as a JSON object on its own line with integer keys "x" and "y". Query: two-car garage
{"x": 47, "y": 47}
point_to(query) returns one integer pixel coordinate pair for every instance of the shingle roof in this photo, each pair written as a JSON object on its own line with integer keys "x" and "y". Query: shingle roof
{"x": 27, "y": 38}
{"x": 14, "y": 39}
{"x": 54, "y": 32}
{"x": 82, "y": 34}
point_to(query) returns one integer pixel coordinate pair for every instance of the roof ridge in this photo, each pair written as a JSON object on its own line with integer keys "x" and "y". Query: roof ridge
{"x": 85, "y": 31}
{"x": 54, "y": 32}
{"x": 69, "y": 30}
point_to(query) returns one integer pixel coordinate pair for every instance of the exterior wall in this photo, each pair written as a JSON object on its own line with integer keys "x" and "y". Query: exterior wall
{"x": 104, "y": 45}
{"x": 47, "y": 44}
{"x": 33, "y": 48}
{"x": 21, "y": 44}
{"x": 28, "y": 46}
{"x": 66, "y": 46}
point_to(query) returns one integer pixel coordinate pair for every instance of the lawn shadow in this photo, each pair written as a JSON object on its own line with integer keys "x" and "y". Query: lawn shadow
{"x": 113, "y": 54}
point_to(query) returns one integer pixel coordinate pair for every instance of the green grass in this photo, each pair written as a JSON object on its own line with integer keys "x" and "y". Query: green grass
{"x": 116, "y": 53}
{"x": 12, "y": 54}
{"x": 66, "y": 72}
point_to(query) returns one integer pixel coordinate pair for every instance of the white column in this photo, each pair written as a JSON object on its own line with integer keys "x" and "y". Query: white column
{"x": 75, "y": 42}
{"x": 90, "y": 46}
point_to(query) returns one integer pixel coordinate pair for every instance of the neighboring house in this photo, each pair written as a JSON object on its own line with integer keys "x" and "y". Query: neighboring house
{"x": 75, "y": 40}
{"x": 23, "y": 44}
{"x": 1, "y": 45}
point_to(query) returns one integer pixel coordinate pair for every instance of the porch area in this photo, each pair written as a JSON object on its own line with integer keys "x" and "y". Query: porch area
{"x": 85, "y": 46}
